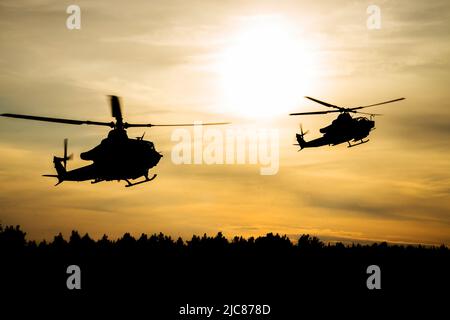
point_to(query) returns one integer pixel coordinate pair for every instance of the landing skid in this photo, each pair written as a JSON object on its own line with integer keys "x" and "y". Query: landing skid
{"x": 147, "y": 179}
{"x": 357, "y": 144}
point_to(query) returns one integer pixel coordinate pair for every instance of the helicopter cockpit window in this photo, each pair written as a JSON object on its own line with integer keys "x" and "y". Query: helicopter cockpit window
{"x": 151, "y": 145}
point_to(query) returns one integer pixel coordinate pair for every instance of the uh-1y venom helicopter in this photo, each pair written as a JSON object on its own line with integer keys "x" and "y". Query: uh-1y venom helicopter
{"x": 117, "y": 157}
{"x": 343, "y": 129}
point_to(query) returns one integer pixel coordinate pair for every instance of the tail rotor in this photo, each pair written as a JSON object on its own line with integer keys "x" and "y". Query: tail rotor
{"x": 301, "y": 141}
{"x": 302, "y": 134}
{"x": 66, "y": 141}
{"x": 65, "y": 158}
{"x": 61, "y": 165}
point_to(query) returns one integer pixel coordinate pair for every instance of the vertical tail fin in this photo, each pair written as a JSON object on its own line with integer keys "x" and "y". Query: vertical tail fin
{"x": 60, "y": 168}
{"x": 301, "y": 141}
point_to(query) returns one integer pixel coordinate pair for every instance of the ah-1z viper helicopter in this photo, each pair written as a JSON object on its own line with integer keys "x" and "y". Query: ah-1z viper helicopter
{"x": 343, "y": 129}
{"x": 117, "y": 157}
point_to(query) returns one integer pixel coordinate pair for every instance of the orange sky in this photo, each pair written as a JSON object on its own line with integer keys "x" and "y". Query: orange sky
{"x": 249, "y": 62}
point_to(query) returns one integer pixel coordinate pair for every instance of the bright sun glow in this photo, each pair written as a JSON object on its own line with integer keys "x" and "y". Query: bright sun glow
{"x": 266, "y": 70}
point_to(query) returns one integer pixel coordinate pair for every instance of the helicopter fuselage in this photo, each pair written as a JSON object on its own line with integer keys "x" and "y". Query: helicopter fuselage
{"x": 343, "y": 129}
{"x": 117, "y": 157}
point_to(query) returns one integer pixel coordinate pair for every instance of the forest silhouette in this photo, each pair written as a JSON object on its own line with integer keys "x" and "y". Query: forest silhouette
{"x": 213, "y": 269}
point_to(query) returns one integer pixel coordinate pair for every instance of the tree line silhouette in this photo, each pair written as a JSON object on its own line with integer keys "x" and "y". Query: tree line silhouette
{"x": 208, "y": 268}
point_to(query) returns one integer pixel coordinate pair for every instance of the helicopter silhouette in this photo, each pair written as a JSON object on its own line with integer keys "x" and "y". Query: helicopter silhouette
{"x": 344, "y": 128}
{"x": 117, "y": 157}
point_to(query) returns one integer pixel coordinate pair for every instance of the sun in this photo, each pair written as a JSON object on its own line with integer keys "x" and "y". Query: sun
{"x": 266, "y": 69}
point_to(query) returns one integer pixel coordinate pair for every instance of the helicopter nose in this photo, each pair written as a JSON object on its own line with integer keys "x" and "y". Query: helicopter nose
{"x": 156, "y": 156}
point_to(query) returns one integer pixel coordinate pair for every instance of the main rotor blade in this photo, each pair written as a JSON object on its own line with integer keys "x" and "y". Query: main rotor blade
{"x": 323, "y": 103}
{"x": 369, "y": 114}
{"x": 313, "y": 112}
{"x": 116, "y": 109}
{"x": 58, "y": 120}
{"x": 136, "y": 125}
{"x": 376, "y": 104}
